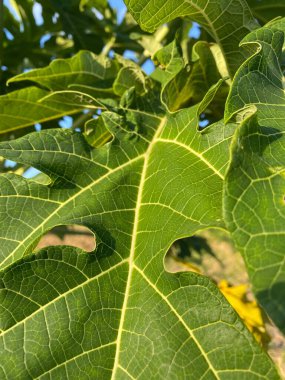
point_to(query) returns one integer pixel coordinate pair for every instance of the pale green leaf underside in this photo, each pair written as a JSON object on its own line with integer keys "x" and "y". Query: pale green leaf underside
{"x": 255, "y": 186}
{"x": 117, "y": 305}
{"x": 228, "y": 21}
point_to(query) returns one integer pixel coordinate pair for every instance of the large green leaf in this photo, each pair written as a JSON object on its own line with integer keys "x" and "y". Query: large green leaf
{"x": 68, "y": 314}
{"x": 227, "y": 21}
{"x": 70, "y": 85}
{"x": 59, "y": 153}
{"x": 254, "y": 197}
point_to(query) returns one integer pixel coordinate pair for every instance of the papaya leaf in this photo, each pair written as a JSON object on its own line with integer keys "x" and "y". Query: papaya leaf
{"x": 117, "y": 304}
{"x": 84, "y": 68}
{"x": 215, "y": 16}
{"x": 130, "y": 77}
{"x": 22, "y": 108}
{"x": 67, "y": 86}
{"x": 169, "y": 60}
{"x": 193, "y": 81}
{"x": 144, "y": 129}
{"x": 96, "y": 133}
{"x": 255, "y": 182}
{"x": 85, "y": 316}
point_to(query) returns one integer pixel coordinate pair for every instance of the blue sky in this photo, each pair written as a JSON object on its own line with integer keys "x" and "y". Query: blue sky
{"x": 119, "y": 5}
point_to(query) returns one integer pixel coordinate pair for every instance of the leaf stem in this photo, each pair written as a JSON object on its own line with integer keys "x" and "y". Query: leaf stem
{"x": 108, "y": 46}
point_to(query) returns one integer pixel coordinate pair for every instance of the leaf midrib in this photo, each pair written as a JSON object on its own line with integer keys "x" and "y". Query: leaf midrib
{"x": 180, "y": 319}
{"x": 130, "y": 259}
{"x": 47, "y": 76}
{"x": 133, "y": 266}
{"x": 133, "y": 243}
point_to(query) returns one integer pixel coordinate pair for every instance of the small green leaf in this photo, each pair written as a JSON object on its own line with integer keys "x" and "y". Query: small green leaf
{"x": 130, "y": 77}
{"x": 192, "y": 82}
{"x": 96, "y": 132}
{"x": 22, "y": 108}
{"x": 169, "y": 60}
{"x": 84, "y": 68}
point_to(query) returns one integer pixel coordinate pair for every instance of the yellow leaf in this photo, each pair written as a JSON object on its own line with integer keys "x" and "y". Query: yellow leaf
{"x": 249, "y": 311}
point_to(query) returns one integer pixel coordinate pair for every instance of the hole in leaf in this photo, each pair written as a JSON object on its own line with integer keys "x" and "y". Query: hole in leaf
{"x": 37, "y": 12}
{"x": 210, "y": 252}
{"x": 98, "y": 14}
{"x": 55, "y": 17}
{"x": 72, "y": 235}
{"x": 203, "y": 121}
{"x": 34, "y": 175}
{"x": 8, "y": 34}
{"x": 66, "y": 122}
{"x": 148, "y": 66}
{"x": 31, "y": 173}
{"x": 44, "y": 39}
{"x": 195, "y": 31}
{"x": 9, "y": 164}
{"x": 111, "y": 53}
{"x": 120, "y": 8}
{"x": 129, "y": 54}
